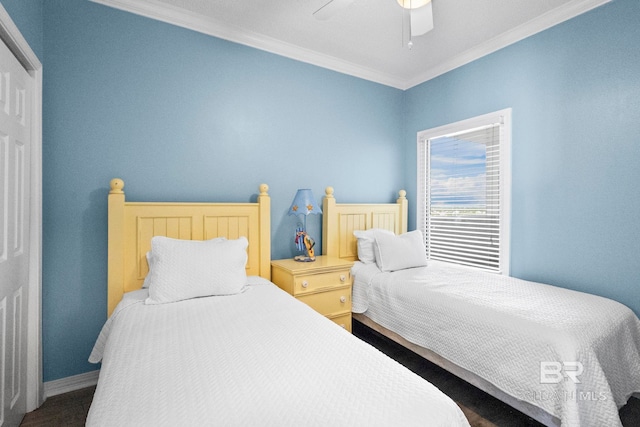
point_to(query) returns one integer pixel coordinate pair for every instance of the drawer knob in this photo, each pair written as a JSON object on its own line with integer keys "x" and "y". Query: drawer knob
{"x": 305, "y": 284}
{"x": 343, "y": 299}
{"x": 343, "y": 277}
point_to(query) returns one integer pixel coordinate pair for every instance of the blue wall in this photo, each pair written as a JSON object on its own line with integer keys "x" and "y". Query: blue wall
{"x": 184, "y": 116}
{"x": 575, "y": 94}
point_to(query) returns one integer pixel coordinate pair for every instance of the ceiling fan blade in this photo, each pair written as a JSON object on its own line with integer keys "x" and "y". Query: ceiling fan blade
{"x": 421, "y": 20}
{"x": 330, "y": 9}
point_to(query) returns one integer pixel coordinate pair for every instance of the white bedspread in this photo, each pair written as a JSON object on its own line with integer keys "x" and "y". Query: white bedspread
{"x": 503, "y": 329}
{"x": 259, "y": 358}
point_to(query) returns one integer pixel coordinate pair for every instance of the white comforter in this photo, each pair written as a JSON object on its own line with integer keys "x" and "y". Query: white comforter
{"x": 259, "y": 358}
{"x": 505, "y": 330}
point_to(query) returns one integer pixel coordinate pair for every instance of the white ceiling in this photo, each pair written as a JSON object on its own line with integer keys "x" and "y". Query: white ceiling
{"x": 365, "y": 39}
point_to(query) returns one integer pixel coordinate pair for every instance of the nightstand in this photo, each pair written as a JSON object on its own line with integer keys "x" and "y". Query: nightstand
{"x": 324, "y": 285}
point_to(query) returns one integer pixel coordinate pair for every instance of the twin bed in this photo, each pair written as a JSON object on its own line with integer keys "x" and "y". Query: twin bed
{"x": 560, "y": 356}
{"x": 250, "y": 354}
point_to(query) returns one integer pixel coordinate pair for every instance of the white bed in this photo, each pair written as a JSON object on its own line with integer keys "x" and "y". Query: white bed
{"x": 502, "y": 329}
{"x": 254, "y": 356}
{"x": 523, "y": 342}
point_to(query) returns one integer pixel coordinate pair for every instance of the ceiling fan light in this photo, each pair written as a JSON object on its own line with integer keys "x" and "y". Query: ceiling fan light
{"x": 412, "y": 4}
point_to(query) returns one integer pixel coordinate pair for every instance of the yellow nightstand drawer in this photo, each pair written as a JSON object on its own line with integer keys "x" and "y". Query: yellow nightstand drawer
{"x": 330, "y": 302}
{"x": 312, "y": 282}
{"x": 343, "y": 320}
{"x": 324, "y": 285}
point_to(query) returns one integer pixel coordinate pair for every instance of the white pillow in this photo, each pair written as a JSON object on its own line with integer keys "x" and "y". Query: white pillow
{"x": 145, "y": 283}
{"x": 366, "y": 240}
{"x": 399, "y": 252}
{"x": 149, "y": 255}
{"x": 183, "y": 269}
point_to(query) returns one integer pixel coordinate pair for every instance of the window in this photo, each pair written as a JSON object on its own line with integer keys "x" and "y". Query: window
{"x": 464, "y": 188}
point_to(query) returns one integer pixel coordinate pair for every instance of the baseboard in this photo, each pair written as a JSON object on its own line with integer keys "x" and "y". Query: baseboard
{"x": 75, "y": 382}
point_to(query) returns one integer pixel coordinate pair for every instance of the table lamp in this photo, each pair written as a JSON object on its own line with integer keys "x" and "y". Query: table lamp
{"x": 304, "y": 204}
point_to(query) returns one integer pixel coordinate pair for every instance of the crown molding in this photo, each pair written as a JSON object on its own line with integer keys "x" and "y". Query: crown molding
{"x": 539, "y": 24}
{"x": 177, "y": 16}
{"x": 182, "y": 18}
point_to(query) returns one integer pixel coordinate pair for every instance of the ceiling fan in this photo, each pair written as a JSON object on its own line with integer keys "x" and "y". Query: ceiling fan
{"x": 420, "y": 11}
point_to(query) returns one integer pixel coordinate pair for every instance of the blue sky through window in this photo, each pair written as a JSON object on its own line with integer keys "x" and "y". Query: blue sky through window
{"x": 458, "y": 173}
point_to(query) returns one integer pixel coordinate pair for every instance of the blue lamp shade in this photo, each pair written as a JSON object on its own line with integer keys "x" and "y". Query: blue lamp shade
{"x": 304, "y": 204}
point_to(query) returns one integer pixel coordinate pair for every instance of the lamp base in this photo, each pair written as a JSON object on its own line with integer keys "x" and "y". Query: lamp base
{"x": 308, "y": 243}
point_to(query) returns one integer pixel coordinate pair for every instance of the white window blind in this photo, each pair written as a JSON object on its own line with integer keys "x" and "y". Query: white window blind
{"x": 463, "y": 192}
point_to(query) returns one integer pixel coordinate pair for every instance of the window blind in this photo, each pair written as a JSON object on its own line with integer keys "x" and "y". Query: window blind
{"x": 461, "y": 198}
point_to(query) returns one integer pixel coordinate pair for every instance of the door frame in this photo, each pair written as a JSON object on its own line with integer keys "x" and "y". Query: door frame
{"x": 11, "y": 36}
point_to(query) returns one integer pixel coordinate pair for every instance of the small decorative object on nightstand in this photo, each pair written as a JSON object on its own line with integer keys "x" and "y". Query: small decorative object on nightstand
{"x": 324, "y": 285}
{"x": 304, "y": 204}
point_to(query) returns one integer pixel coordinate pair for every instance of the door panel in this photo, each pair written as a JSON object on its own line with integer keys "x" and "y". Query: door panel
{"x": 15, "y": 143}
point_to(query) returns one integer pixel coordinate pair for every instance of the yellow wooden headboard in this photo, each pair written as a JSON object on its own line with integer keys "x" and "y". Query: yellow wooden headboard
{"x": 133, "y": 224}
{"x": 340, "y": 220}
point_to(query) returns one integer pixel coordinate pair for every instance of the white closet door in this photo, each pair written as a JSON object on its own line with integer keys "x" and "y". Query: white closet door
{"x": 15, "y": 143}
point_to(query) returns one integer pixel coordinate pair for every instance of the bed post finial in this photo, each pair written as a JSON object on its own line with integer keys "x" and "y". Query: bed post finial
{"x": 264, "y": 188}
{"x": 328, "y": 192}
{"x": 402, "y": 194}
{"x": 116, "y": 186}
